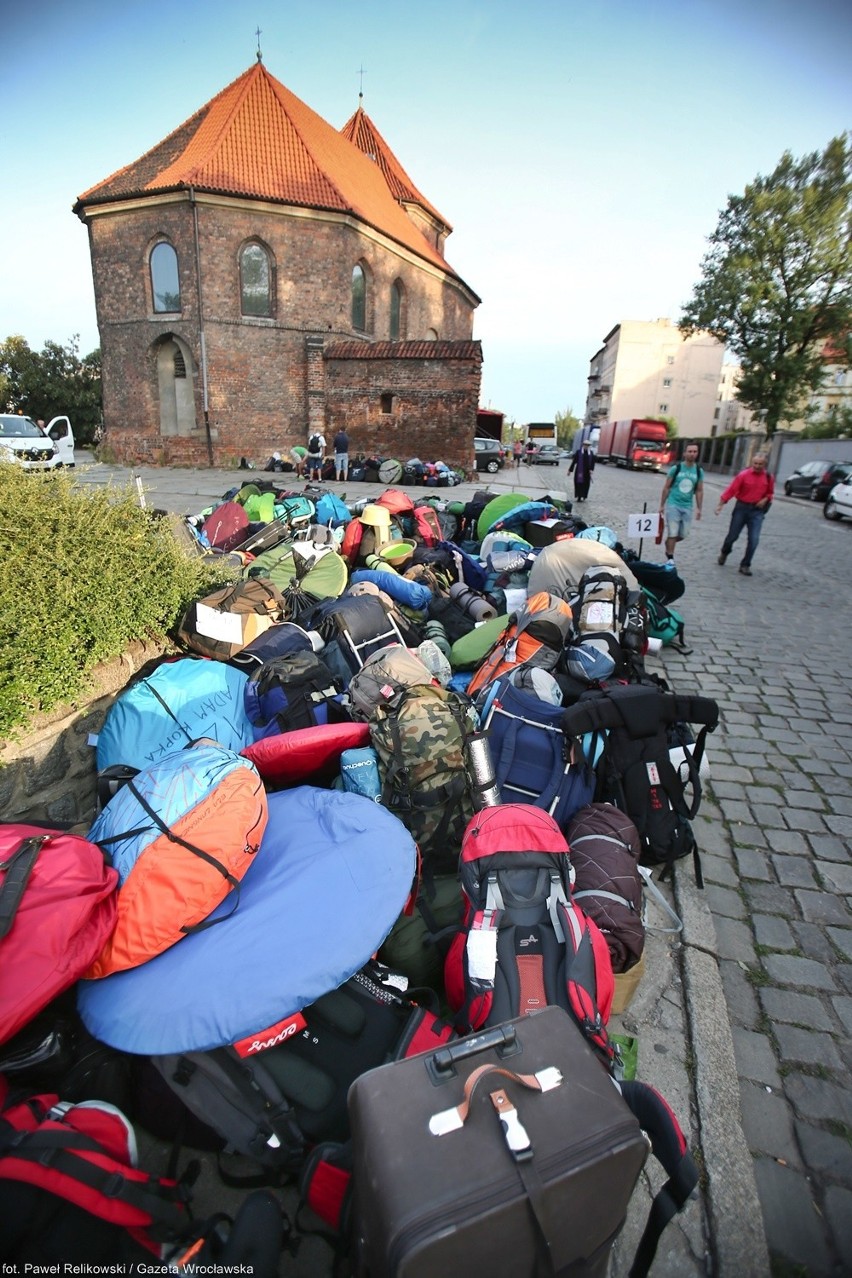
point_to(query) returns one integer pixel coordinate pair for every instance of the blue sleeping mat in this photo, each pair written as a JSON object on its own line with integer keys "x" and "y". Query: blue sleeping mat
{"x": 330, "y": 879}
{"x": 176, "y": 704}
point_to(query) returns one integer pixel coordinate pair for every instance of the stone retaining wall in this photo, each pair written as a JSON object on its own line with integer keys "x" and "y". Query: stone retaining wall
{"x": 48, "y": 775}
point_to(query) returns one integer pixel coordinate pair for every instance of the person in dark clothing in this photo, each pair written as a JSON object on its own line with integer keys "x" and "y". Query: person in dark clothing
{"x": 582, "y": 464}
{"x": 341, "y": 455}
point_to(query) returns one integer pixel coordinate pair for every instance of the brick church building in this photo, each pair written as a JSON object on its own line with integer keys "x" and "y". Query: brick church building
{"x": 259, "y": 275}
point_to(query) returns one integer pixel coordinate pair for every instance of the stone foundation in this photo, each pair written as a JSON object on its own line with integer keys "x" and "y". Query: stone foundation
{"x": 48, "y": 775}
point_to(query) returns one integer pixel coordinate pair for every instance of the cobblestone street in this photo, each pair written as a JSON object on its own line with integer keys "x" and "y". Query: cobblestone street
{"x": 774, "y": 650}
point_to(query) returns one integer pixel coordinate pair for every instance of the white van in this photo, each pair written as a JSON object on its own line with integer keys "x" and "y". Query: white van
{"x": 59, "y": 430}
{"x": 24, "y": 442}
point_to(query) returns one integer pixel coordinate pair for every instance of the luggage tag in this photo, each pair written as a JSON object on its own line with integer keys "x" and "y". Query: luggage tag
{"x": 482, "y": 954}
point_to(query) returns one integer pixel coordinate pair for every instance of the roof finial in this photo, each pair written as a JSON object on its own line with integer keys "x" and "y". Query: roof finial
{"x": 259, "y": 33}
{"x": 361, "y": 73}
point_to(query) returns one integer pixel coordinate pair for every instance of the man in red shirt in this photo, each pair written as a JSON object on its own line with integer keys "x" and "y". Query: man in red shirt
{"x": 753, "y": 489}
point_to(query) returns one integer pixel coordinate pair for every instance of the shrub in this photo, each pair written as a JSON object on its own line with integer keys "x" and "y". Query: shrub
{"x": 82, "y": 574}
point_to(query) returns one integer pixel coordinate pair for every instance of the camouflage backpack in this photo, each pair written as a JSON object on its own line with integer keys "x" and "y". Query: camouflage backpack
{"x": 420, "y": 741}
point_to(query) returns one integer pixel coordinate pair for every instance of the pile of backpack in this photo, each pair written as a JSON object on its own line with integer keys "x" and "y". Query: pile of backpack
{"x": 402, "y": 793}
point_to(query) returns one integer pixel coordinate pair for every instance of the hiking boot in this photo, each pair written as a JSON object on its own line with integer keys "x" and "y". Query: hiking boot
{"x": 745, "y": 570}
{"x": 723, "y": 557}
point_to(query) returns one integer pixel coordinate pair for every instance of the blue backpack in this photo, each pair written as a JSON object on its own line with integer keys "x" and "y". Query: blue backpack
{"x": 531, "y": 754}
{"x": 296, "y": 690}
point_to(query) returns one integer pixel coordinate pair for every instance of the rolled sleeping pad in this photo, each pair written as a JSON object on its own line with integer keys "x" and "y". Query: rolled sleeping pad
{"x": 475, "y": 605}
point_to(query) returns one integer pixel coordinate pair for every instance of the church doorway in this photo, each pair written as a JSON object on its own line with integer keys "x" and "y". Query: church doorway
{"x": 175, "y": 379}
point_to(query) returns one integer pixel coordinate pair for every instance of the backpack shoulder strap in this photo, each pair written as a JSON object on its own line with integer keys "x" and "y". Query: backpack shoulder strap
{"x": 669, "y": 1148}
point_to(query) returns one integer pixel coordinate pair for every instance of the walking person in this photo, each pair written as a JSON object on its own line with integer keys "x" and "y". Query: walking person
{"x": 753, "y": 489}
{"x": 517, "y": 453}
{"x": 684, "y": 487}
{"x": 316, "y": 452}
{"x": 341, "y": 455}
{"x": 582, "y": 464}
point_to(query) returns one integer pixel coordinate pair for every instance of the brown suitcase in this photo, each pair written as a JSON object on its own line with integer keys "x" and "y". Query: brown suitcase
{"x": 536, "y": 1179}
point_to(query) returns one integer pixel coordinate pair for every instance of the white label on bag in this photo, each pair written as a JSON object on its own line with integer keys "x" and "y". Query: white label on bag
{"x": 653, "y": 773}
{"x": 482, "y": 953}
{"x": 225, "y": 626}
{"x": 599, "y": 614}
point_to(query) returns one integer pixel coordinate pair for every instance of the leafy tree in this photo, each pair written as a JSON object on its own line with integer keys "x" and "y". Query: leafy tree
{"x": 670, "y": 425}
{"x": 566, "y": 426}
{"x": 53, "y": 381}
{"x": 777, "y": 279}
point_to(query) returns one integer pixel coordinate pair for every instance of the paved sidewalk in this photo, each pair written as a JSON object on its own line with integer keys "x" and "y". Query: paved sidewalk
{"x": 745, "y": 1021}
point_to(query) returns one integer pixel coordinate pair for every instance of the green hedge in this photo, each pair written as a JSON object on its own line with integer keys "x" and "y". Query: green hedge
{"x": 82, "y": 574}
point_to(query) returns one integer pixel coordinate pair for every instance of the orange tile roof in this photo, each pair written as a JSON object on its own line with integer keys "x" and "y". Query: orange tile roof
{"x": 404, "y": 350}
{"x": 361, "y": 130}
{"x": 256, "y": 139}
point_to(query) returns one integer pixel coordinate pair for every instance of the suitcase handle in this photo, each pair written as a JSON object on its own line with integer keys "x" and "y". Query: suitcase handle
{"x": 441, "y": 1065}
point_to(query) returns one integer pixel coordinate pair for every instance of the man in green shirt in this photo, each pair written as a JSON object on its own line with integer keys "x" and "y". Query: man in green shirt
{"x": 684, "y": 485}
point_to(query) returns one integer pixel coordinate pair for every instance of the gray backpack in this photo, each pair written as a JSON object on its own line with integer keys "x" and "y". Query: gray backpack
{"x": 382, "y": 678}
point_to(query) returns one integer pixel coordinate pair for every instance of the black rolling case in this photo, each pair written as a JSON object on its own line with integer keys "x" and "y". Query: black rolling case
{"x": 509, "y": 1153}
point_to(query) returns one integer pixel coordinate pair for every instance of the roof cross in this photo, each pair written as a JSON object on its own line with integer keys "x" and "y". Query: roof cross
{"x": 259, "y": 33}
{"x": 361, "y": 73}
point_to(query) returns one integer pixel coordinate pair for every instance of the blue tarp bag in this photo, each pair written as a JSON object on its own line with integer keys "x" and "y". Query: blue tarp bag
{"x": 178, "y": 703}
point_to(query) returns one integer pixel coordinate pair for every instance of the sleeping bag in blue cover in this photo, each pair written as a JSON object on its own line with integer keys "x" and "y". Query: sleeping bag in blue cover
{"x": 331, "y": 878}
{"x": 411, "y": 594}
{"x": 175, "y": 705}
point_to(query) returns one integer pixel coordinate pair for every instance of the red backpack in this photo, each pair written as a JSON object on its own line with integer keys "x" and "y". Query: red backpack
{"x": 59, "y": 1160}
{"x": 58, "y": 907}
{"x": 524, "y": 943}
{"x": 427, "y": 528}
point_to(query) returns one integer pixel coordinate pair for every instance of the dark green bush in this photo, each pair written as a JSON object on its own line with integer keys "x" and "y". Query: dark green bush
{"x": 82, "y": 574}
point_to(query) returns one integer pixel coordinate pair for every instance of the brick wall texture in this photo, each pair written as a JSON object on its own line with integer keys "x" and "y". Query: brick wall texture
{"x": 267, "y": 384}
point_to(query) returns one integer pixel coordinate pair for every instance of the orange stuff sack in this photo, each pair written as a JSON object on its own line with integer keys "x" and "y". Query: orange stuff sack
{"x": 181, "y": 835}
{"x": 535, "y": 636}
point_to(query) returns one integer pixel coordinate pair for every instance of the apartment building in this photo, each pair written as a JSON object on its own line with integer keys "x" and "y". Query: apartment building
{"x": 647, "y": 368}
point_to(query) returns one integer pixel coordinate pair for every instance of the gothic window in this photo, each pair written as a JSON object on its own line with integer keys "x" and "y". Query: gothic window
{"x": 396, "y": 324}
{"x": 165, "y": 284}
{"x": 387, "y": 402}
{"x": 255, "y": 281}
{"x": 359, "y": 299}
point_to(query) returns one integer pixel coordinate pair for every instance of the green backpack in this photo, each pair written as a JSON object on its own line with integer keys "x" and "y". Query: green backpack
{"x": 664, "y": 623}
{"x": 420, "y": 741}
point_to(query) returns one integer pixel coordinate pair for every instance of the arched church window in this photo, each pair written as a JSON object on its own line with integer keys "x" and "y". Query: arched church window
{"x": 165, "y": 282}
{"x": 255, "y": 281}
{"x": 359, "y": 298}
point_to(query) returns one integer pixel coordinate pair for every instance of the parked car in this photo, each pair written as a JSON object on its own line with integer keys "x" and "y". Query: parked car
{"x": 546, "y": 455}
{"x": 815, "y": 479}
{"x": 838, "y": 504}
{"x": 25, "y": 443}
{"x": 490, "y": 454}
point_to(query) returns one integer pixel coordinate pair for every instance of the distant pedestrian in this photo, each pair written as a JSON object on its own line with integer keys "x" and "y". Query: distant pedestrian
{"x": 298, "y": 453}
{"x": 517, "y": 453}
{"x": 316, "y": 452}
{"x": 753, "y": 489}
{"x": 341, "y": 455}
{"x": 582, "y": 464}
{"x": 684, "y": 487}
{"x": 530, "y": 451}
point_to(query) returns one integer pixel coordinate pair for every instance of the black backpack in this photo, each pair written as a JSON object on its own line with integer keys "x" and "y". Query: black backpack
{"x": 314, "y": 445}
{"x": 636, "y": 726}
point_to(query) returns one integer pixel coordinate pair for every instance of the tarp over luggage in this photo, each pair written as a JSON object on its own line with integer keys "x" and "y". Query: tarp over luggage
{"x": 558, "y": 568}
{"x": 331, "y": 878}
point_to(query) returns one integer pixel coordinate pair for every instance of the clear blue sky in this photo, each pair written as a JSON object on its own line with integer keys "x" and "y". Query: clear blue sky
{"x": 582, "y": 151}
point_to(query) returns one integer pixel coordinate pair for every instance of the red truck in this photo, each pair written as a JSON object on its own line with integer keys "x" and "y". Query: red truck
{"x": 637, "y": 443}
